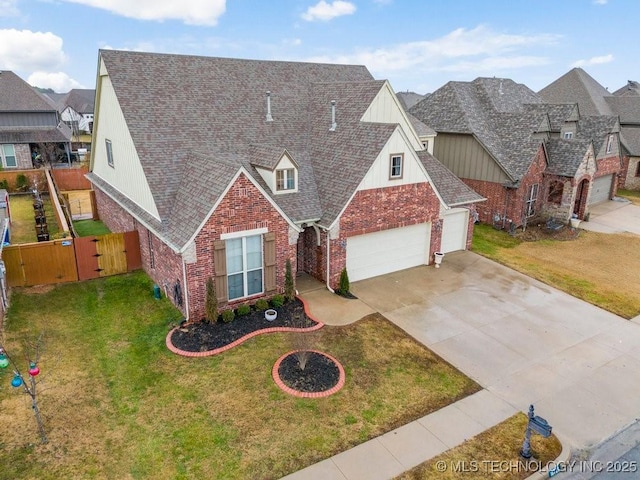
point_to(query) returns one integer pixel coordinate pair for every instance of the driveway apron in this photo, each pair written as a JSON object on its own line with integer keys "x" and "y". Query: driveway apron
{"x": 523, "y": 341}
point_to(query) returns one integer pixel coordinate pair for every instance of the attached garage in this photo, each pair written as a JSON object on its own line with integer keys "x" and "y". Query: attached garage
{"x": 454, "y": 230}
{"x": 387, "y": 251}
{"x": 601, "y": 189}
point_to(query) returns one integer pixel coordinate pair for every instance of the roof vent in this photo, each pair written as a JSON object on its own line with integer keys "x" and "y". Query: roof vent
{"x": 333, "y": 116}
{"x": 269, "y": 117}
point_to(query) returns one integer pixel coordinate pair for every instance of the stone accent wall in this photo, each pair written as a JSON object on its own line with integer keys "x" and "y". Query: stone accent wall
{"x": 374, "y": 210}
{"x": 630, "y": 178}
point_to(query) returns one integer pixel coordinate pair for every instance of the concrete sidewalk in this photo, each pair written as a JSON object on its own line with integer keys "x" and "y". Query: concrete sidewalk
{"x": 388, "y": 455}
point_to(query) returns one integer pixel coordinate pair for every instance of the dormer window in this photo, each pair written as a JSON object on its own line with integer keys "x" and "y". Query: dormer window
{"x": 395, "y": 166}
{"x": 285, "y": 179}
{"x": 568, "y": 135}
{"x": 610, "y": 144}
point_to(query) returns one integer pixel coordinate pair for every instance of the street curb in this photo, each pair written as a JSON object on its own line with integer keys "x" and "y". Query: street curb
{"x": 564, "y": 457}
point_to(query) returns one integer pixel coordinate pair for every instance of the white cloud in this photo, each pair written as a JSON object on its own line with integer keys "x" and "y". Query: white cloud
{"x": 600, "y": 2}
{"x": 58, "y": 81}
{"x": 326, "y": 11}
{"x": 593, "y": 61}
{"x": 8, "y": 8}
{"x": 496, "y": 64}
{"x": 30, "y": 51}
{"x": 448, "y": 51}
{"x": 191, "y": 12}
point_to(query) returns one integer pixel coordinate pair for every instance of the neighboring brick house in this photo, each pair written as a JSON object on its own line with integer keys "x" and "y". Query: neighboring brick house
{"x": 228, "y": 168}
{"x": 526, "y": 157}
{"x": 29, "y": 125}
{"x": 577, "y": 86}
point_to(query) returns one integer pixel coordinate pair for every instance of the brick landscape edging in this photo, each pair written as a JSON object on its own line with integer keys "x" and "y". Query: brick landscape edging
{"x": 215, "y": 351}
{"x": 298, "y": 393}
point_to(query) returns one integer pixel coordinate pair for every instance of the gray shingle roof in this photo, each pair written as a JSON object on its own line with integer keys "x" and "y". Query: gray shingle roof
{"x": 577, "y": 86}
{"x": 454, "y": 192}
{"x": 565, "y": 156}
{"x": 630, "y": 138}
{"x": 81, "y": 100}
{"x": 421, "y": 128}
{"x": 409, "y": 99}
{"x": 16, "y": 95}
{"x": 630, "y": 89}
{"x": 627, "y": 107}
{"x": 491, "y": 109}
{"x": 196, "y": 120}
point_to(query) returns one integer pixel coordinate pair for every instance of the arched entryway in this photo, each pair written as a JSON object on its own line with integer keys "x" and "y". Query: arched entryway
{"x": 580, "y": 204}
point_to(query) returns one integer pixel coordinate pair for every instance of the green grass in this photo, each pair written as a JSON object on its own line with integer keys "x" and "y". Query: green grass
{"x": 489, "y": 242}
{"x": 492, "y": 455}
{"x": 118, "y": 404}
{"x": 87, "y": 228}
{"x": 631, "y": 195}
{"x": 23, "y": 219}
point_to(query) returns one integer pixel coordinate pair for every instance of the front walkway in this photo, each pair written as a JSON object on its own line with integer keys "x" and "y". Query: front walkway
{"x": 523, "y": 341}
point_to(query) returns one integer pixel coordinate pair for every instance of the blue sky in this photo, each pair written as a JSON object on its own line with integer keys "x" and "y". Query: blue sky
{"x": 418, "y": 45}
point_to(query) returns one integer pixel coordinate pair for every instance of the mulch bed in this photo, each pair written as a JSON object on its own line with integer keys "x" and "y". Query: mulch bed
{"x": 320, "y": 373}
{"x": 539, "y": 231}
{"x": 204, "y": 336}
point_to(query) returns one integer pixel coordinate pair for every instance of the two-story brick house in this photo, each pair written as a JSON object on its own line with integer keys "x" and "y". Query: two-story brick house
{"x": 228, "y": 168}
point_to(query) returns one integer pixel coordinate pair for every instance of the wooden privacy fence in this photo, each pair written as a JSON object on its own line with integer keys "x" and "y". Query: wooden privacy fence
{"x": 70, "y": 260}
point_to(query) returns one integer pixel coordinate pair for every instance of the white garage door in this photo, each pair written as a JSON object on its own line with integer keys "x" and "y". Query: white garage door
{"x": 387, "y": 251}
{"x": 454, "y": 230}
{"x": 601, "y": 189}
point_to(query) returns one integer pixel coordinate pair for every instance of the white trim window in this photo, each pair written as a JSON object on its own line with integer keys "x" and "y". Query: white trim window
{"x": 396, "y": 165}
{"x": 244, "y": 266}
{"x": 285, "y": 179}
{"x": 532, "y": 198}
{"x": 8, "y": 154}
{"x": 109, "y": 148}
{"x": 568, "y": 135}
{"x": 610, "y": 144}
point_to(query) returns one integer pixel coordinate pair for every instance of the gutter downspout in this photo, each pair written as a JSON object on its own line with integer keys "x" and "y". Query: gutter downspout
{"x": 185, "y": 290}
{"x": 329, "y": 261}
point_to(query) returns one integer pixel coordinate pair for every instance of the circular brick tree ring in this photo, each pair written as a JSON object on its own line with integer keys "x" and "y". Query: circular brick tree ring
{"x": 291, "y": 357}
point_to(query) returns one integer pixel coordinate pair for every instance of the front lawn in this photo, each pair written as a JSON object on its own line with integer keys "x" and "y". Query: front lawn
{"x": 117, "y": 404}
{"x": 493, "y": 455}
{"x": 599, "y": 268}
{"x": 632, "y": 195}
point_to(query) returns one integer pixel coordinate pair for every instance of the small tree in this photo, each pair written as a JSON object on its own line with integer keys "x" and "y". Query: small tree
{"x": 289, "y": 291}
{"x": 344, "y": 282}
{"x": 211, "y": 302}
{"x": 301, "y": 341}
{"x": 27, "y": 382}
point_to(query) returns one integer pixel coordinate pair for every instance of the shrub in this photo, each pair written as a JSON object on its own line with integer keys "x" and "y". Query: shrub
{"x": 211, "y": 302}
{"x": 228, "y": 316}
{"x": 4, "y": 183}
{"x": 243, "y": 310}
{"x": 22, "y": 182}
{"x": 289, "y": 291}
{"x": 277, "y": 301}
{"x": 262, "y": 305}
{"x": 344, "y": 282}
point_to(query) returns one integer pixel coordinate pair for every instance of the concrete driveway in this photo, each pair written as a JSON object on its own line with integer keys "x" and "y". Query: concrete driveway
{"x": 614, "y": 216}
{"x": 523, "y": 341}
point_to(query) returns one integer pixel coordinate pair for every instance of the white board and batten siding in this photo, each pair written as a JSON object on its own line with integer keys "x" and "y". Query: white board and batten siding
{"x": 127, "y": 175}
{"x": 388, "y": 251}
{"x": 385, "y": 108}
{"x": 454, "y": 230}
{"x": 378, "y": 174}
